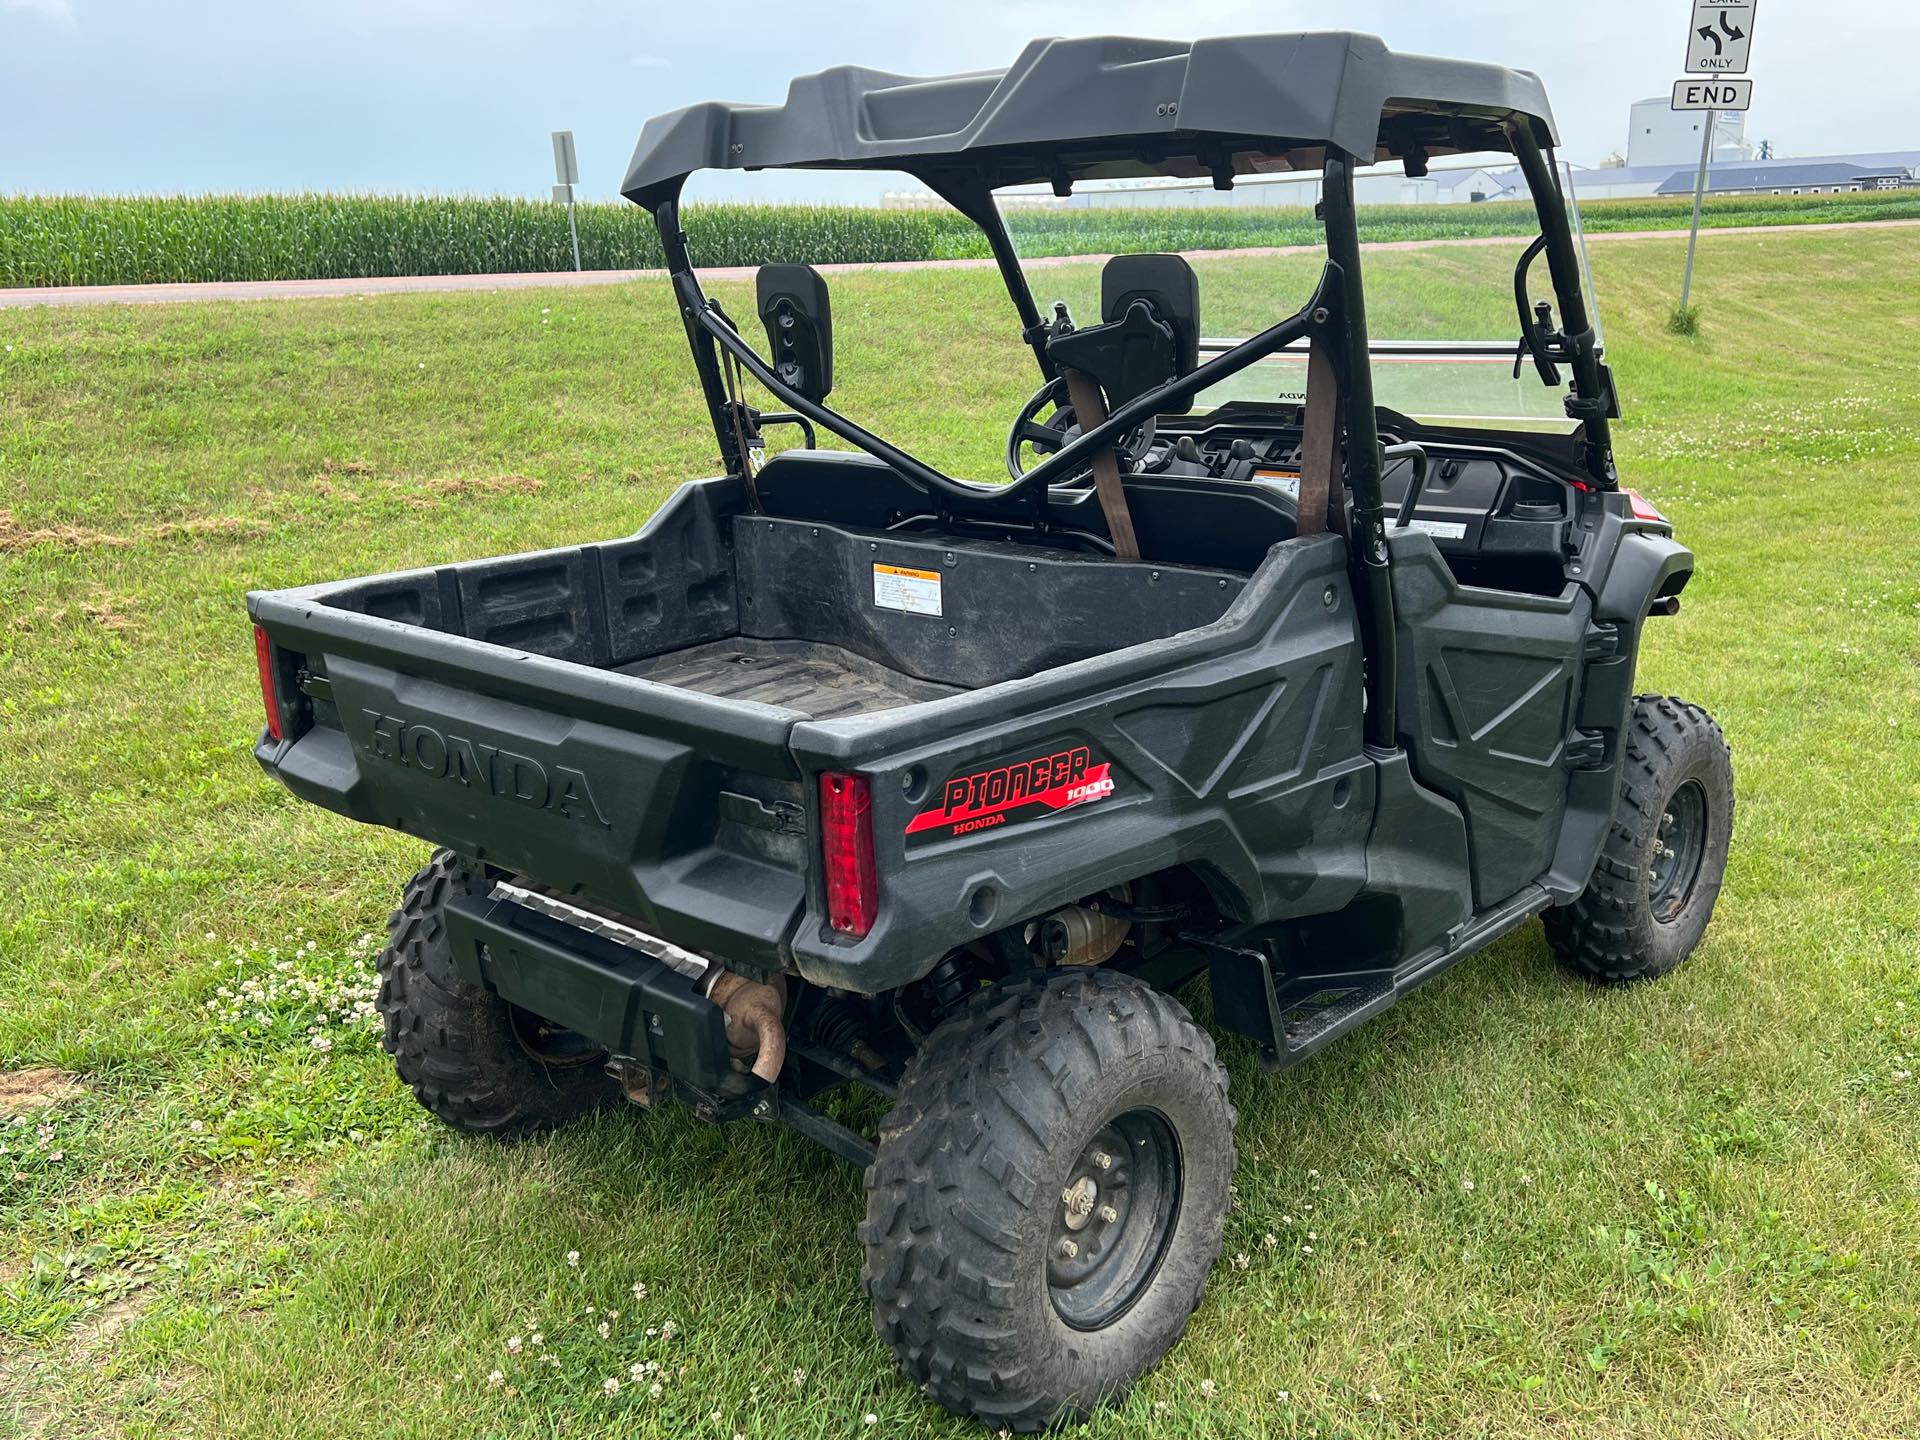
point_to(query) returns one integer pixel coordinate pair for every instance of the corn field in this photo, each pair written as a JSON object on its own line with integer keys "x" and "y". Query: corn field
{"x": 78, "y": 240}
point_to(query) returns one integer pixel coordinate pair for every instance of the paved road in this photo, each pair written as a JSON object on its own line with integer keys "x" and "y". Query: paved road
{"x": 393, "y": 284}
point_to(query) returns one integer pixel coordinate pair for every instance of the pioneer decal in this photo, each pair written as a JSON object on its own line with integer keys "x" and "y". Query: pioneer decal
{"x": 983, "y": 799}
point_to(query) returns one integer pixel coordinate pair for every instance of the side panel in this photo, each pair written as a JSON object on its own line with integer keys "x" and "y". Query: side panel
{"x": 1489, "y": 681}
{"x": 1234, "y": 750}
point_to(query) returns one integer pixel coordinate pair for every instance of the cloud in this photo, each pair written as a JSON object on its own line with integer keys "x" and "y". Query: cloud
{"x": 58, "y": 10}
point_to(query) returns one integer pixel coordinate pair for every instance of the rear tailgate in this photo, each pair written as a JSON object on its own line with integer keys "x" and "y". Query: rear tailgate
{"x": 679, "y": 809}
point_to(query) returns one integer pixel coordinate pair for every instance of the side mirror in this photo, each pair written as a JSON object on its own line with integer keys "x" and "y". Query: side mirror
{"x": 794, "y": 307}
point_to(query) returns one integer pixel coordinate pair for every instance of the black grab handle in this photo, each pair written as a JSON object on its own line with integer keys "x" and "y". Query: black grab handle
{"x": 1418, "y": 454}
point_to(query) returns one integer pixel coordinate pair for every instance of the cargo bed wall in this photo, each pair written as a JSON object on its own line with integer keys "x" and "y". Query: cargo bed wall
{"x": 702, "y": 573}
{"x": 957, "y": 613}
{"x": 666, "y": 588}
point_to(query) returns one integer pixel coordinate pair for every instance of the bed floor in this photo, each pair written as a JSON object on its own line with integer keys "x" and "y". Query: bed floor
{"x": 820, "y": 681}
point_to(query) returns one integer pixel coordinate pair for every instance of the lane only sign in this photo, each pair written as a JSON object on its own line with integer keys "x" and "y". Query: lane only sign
{"x": 1712, "y": 94}
{"x": 1720, "y": 37}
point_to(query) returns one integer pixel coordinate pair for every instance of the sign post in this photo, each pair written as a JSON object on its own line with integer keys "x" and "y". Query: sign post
{"x": 566, "y": 175}
{"x": 1719, "y": 42}
{"x": 1699, "y": 194}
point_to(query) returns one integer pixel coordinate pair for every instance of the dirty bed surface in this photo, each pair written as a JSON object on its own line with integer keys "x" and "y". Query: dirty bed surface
{"x": 820, "y": 681}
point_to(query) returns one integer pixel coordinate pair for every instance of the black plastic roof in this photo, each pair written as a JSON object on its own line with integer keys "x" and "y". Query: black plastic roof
{"x": 1104, "y": 107}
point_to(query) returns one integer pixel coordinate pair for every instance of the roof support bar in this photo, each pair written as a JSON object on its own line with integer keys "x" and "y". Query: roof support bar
{"x": 1367, "y": 535}
{"x": 977, "y": 204}
{"x": 706, "y": 362}
{"x": 1590, "y": 399}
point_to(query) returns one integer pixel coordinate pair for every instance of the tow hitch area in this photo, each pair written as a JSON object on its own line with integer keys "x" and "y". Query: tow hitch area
{"x": 637, "y": 997}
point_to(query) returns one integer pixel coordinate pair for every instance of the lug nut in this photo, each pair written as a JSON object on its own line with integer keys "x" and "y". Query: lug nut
{"x": 1109, "y": 1214}
{"x": 1102, "y": 1160}
{"x": 1068, "y": 1250}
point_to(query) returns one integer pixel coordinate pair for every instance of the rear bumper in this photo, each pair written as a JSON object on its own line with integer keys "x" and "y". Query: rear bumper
{"x": 647, "y": 1014}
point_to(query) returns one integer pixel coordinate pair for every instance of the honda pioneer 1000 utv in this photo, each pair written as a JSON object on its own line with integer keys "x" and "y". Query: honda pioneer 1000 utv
{"x": 843, "y": 770}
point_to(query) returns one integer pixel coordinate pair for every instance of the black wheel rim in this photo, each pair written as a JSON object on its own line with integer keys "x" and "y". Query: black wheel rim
{"x": 1679, "y": 842}
{"x": 552, "y": 1045}
{"x": 1113, "y": 1219}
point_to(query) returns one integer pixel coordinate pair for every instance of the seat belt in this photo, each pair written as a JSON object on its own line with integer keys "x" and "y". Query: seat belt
{"x": 1319, "y": 446}
{"x": 1090, "y": 409}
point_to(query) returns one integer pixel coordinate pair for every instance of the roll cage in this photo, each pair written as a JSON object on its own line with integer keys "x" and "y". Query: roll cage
{"x": 1070, "y": 110}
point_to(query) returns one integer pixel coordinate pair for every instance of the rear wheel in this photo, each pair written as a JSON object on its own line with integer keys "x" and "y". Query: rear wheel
{"x": 1660, "y": 868}
{"x": 1048, "y": 1196}
{"x": 479, "y": 1063}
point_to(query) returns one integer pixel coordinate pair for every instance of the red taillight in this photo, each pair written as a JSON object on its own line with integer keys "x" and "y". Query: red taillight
{"x": 846, "y": 843}
{"x": 269, "y": 682}
{"x": 1642, "y": 509}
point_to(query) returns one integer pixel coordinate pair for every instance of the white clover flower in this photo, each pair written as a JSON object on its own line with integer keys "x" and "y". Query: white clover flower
{"x": 514, "y": 1342}
{"x": 496, "y": 1379}
{"x": 870, "y": 1419}
{"x": 1208, "y": 1389}
{"x": 573, "y": 1259}
{"x": 639, "y": 1291}
{"x": 656, "y": 1390}
{"x": 1467, "y": 1184}
{"x": 536, "y": 1339}
{"x": 610, "y": 1385}
{"x": 799, "y": 1377}
{"x": 1240, "y": 1261}
{"x": 1269, "y": 1240}
{"x": 604, "y": 1328}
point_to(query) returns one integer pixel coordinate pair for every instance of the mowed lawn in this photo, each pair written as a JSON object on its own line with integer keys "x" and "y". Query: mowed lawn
{"x": 1514, "y": 1206}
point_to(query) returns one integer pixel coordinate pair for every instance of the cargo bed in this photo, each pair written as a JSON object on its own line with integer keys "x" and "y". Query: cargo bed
{"x": 623, "y": 720}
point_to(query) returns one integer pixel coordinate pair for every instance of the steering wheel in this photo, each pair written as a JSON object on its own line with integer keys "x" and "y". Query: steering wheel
{"x": 1053, "y": 434}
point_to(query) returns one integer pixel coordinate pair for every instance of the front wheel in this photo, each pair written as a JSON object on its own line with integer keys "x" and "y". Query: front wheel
{"x": 1048, "y": 1196}
{"x": 1661, "y": 865}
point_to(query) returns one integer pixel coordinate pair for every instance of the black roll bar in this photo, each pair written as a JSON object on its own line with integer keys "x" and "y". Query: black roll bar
{"x": 1590, "y": 398}
{"x": 710, "y": 323}
{"x": 1367, "y": 528}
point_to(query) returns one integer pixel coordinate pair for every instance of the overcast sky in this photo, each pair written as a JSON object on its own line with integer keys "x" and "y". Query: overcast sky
{"x": 459, "y": 95}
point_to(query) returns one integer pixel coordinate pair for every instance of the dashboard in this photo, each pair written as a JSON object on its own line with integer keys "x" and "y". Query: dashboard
{"x": 1497, "y": 518}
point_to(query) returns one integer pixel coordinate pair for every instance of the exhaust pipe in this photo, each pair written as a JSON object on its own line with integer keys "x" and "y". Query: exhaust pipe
{"x": 752, "y": 1011}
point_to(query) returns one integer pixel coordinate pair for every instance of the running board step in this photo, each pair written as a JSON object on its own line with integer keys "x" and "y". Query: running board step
{"x": 1294, "y": 1016}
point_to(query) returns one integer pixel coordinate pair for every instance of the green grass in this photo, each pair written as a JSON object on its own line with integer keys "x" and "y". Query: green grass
{"x": 106, "y": 240}
{"x": 1694, "y": 1208}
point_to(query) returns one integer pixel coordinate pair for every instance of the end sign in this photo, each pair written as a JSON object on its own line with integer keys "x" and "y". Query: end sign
{"x": 1720, "y": 37}
{"x": 1712, "y": 94}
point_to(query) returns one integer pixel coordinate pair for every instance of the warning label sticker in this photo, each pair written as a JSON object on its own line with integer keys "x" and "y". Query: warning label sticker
{"x": 915, "y": 591}
{"x": 1439, "y": 529}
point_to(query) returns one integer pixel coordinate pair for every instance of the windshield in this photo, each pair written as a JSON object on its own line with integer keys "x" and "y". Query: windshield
{"x": 1439, "y": 281}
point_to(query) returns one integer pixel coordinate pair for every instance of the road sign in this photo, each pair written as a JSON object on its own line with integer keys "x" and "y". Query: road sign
{"x": 1712, "y": 94}
{"x": 1720, "y": 37}
{"x": 566, "y": 166}
{"x": 566, "y": 171}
